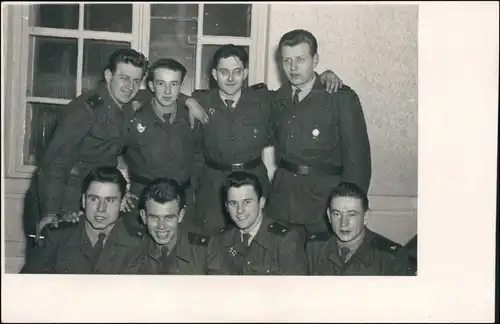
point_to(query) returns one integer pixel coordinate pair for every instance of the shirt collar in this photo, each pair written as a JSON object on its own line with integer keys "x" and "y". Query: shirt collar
{"x": 263, "y": 237}
{"x": 254, "y": 231}
{"x": 93, "y": 234}
{"x": 236, "y": 99}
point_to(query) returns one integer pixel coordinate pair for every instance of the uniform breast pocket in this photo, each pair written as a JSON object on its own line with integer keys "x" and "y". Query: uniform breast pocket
{"x": 253, "y": 130}
{"x": 321, "y": 135}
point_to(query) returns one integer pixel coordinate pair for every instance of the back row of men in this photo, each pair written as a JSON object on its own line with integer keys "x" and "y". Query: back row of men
{"x": 103, "y": 242}
{"x": 317, "y": 138}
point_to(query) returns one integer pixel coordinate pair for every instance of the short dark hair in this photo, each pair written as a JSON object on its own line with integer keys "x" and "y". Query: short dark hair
{"x": 106, "y": 174}
{"x": 240, "y": 178}
{"x": 298, "y": 36}
{"x": 126, "y": 55}
{"x": 229, "y": 50}
{"x": 167, "y": 63}
{"x": 349, "y": 189}
{"x": 163, "y": 190}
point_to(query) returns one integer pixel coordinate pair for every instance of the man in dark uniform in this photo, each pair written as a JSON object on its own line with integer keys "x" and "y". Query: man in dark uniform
{"x": 353, "y": 249}
{"x": 257, "y": 245}
{"x": 170, "y": 249}
{"x": 237, "y": 134}
{"x": 100, "y": 243}
{"x": 160, "y": 142}
{"x": 320, "y": 138}
{"x": 89, "y": 134}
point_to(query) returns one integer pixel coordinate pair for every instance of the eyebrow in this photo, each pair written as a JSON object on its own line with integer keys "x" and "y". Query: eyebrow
{"x": 348, "y": 211}
{"x": 164, "y": 215}
{"x": 92, "y": 195}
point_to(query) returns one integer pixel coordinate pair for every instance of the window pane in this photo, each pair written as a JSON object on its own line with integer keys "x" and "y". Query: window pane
{"x": 52, "y": 72}
{"x": 108, "y": 17}
{"x": 227, "y": 20}
{"x": 41, "y": 120}
{"x": 173, "y": 35}
{"x": 207, "y": 53}
{"x": 55, "y": 16}
{"x": 95, "y": 58}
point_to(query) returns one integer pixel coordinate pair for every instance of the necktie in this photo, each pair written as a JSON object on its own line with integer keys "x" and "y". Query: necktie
{"x": 229, "y": 103}
{"x": 295, "y": 99}
{"x": 166, "y": 117}
{"x": 97, "y": 248}
{"x": 344, "y": 252}
{"x": 246, "y": 239}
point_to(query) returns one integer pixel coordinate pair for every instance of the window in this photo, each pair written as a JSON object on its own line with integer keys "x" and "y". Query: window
{"x": 60, "y": 51}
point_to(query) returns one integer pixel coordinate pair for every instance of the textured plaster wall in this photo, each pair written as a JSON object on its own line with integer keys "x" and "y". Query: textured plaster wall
{"x": 373, "y": 48}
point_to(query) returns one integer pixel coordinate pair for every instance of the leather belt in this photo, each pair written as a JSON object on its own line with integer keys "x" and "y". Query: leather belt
{"x": 307, "y": 170}
{"x": 146, "y": 181}
{"x": 234, "y": 167}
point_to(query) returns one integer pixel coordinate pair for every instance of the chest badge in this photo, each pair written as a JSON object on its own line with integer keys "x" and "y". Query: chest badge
{"x": 140, "y": 127}
{"x": 315, "y": 132}
{"x": 211, "y": 111}
{"x": 232, "y": 251}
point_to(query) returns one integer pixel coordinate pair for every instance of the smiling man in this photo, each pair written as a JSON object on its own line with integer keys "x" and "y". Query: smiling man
{"x": 254, "y": 244}
{"x": 170, "y": 248}
{"x": 353, "y": 249}
{"x": 98, "y": 243}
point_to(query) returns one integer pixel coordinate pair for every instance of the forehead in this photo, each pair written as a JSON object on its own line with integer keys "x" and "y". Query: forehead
{"x": 167, "y": 74}
{"x": 155, "y": 208}
{"x": 230, "y": 63}
{"x": 129, "y": 70}
{"x": 103, "y": 189}
{"x": 301, "y": 49}
{"x": 347, "y": 203}
{"x": 240, "y": 193}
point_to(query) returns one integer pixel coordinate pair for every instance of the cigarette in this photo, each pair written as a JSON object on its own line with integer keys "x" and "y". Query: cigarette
{"x": 34, "y": 236}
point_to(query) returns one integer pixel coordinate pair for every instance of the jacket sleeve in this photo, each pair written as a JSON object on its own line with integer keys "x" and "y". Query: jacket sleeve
{"x": 292, "y": 256}
{"x": 215, "y": 263}
{"x": 356, "y": 155}
{"x": 62, "y": 153}
{"x": 43, "y": 258}
{"x": 198, "y": 156}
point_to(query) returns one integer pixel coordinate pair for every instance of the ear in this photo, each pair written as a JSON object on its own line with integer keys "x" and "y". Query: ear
{"x": 142, "y": 212}
{"x": 150, "y": 86}
{"x": 367, "y": 216}
{"x": 108, "y": 75}
{"x": 329, "y": 214}
{"x": 83, "y": 201}
{"x": 181, "y": 214}
{"x": 214, "y": 74}
{"x": 245, "y": 74}
{"x": 262, "y": 202}
{"x": 316, "y": 60}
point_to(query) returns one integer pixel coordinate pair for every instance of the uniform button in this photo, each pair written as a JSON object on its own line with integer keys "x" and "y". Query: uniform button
{"x": 292, "y": 136}
{"x": 293, "y": 116}
{"x": 289, "y": 121}
{"x": 66, "y": 270}
{"x": 114, "y": 271}
{"x": 267, "y": 270}
{"x": 248, "y": 262}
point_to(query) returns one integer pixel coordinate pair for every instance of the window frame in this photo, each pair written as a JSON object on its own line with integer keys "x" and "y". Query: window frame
{"x": 18, "y": 33}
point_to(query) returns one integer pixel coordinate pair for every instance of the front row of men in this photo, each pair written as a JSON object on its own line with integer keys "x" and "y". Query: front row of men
{"x": 103, "y": 242}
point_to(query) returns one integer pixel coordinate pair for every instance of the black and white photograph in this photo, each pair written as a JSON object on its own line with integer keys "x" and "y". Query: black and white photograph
{"x": 241, "y": 140}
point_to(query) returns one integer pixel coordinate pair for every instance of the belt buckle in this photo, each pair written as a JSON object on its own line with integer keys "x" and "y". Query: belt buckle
{"x": 303, "y": 169}
{"x": 237, "y": 167}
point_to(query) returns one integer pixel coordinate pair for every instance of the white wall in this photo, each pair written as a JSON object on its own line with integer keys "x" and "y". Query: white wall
{"x": 373, "y": 48}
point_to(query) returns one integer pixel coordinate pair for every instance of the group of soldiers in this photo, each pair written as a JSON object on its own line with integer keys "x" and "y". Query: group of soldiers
{"x": 232, "y": 180}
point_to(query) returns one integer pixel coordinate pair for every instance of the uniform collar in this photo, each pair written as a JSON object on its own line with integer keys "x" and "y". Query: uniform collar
{"x": 93, "y": 234}
{"x": 254, "y": 231}
{"x": 264, "y": 237}
{"x": 103, "y": 92}
{"x": 236, "y": 99}
{"x": 117, "y": 235}
{"x": 285, "y": 92}
{"x": 180, "y": 250}
{"x": 306, "y": 88}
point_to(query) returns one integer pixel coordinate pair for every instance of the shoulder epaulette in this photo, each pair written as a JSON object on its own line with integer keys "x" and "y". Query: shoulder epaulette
{"x": 94, "y": 101}
{"x": 200, "y": 91}
{"x": 318, "y": 237}
{"x": 259, "y": 86}
{"x": 384, "y": 244}
{"x": 198, "y": 239}
{"x": 277, "y": 228}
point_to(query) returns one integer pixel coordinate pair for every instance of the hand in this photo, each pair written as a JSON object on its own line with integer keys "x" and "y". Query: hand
{"x": 128, "y": 202}
{"x": 196, "y": 111}
{"x": 49, "y": 219}
{"x": 71, "y": 217}
{"x": 331, "y": 81}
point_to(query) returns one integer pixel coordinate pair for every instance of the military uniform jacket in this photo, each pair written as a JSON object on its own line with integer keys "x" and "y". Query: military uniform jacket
{"x": 275, "y": 250}
{"x": 189, "y": 257}
{"x": 376, "y": 256}
{"x": 88, "y": 135}
{"x": 67, "y": 250}
{"x": 324, "y": 131}
{"x": 157, "y": 149}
